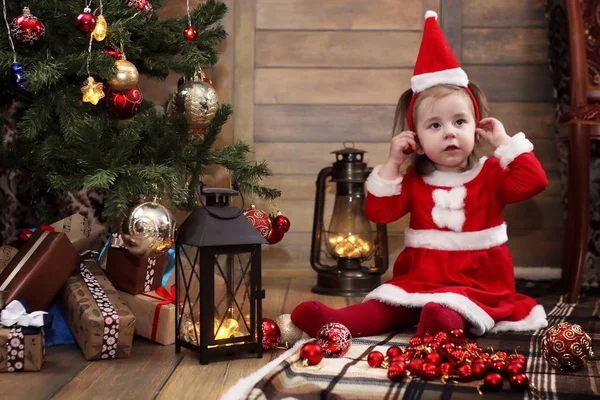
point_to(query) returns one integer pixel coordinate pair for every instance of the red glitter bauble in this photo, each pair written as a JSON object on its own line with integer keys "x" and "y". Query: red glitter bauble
{"x": 190, "y": 33}
{"x": 124, "y": 105}
{"x": 311, "y": 353}
{"x": 519, "y": 382}
{"x": 86, "y": 22}
{"x": 465, "y": 373}
{"x": 281, "y": 224}
{"x": 259, "y": 219}
{"x": 27, "y": 29}
{"x": 493, "y": 382}
{"x": 393, "y": 351}
{"x": 397, "y": 372}
{"x": 566, "y": 346}
{"x": 501, "y": 355}
{"x": 427, "y": 339}
{"x": 335, "y": 339}
{"x": 271, "y": 334}
{"x": 375, "y": 358}
{"x": 447, "y": 348}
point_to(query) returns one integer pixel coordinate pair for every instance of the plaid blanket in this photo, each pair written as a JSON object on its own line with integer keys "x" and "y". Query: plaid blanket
{"x": 351, "y": 377}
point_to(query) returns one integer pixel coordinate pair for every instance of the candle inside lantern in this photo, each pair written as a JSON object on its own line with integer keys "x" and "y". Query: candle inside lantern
{"x": 349, "y": 246}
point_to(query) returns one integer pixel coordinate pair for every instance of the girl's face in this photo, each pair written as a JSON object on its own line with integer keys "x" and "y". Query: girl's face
{"x": 446, "y": 130}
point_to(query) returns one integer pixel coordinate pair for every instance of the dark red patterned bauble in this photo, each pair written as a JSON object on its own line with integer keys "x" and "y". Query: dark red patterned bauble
{"x": 493, "y": 382}
{"x": 433, "y": 358}
{"x": 27, "y": 29}
{"x": 86, "y": 22}
{"x": 501, "y": 355}
{"x": 415, "y": 341}
{"x": 519, "y": 382}
{"x": 259, "y": 219}
{"x": 375, "y": 358}
{"x": 441, "y": 337}
{"x": 478, "y": 370}
{"x": 415, "y": 366}
{"x": 124, "y": 105}
{"x": 393, "y": 351}
{"x": 271, "y": 334}
{"x": 335, "y": 339}
{"x": 457, "y": 335}
{"x": 312, "y": 353}
{"x": 465, "y": 373}
{"x": 281, "y": 224}
{"x": 140, "y": 5}
{"x": 428, "y": 372}
{"x": 567, "y": 346}
{"x": 397, "y": 372}
{"x": 445, "y": 369}
{"x": 190, "y": 33}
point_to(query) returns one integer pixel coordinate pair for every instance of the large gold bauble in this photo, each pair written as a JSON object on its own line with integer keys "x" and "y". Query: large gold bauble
{"x": 197, "y": 101}
{"x": 126, "y": 77}
{"x": 149, "y": 230}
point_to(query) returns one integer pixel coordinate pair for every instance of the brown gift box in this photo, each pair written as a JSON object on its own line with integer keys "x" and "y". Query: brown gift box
{"x": 82, "y": 232}
{"x": 157, "y": 327}
{"x": 133, "y": 274}
{"x": 6, "y": 254}
{"x": 37, "y": 272}
{"x": 33, "y": 351}
{"x": 92, "y": 330}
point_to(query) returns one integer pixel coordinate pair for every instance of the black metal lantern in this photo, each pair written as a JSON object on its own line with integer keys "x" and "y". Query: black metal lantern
{"x": 218, "y": 280}
{"x": 349, "y": 239}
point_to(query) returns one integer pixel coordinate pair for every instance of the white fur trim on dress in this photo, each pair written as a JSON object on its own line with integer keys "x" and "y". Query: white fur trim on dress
{"x": 448, "y": 211}
{"x": 380, "y": 187}
{"x": 481, "y": 322}
{"x": 451, "y": 219}
{"x": 454, "y": 76}
{"x": 443, "y": 240}
{"x": 452, "y": 179}
{"x": 532, "y": 322}
{"x": 518, "y": 145}
{"x": 431, "y": 13}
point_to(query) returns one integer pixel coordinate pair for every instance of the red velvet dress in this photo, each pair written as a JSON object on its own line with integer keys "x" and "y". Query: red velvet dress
{"x": 455, "y": 247}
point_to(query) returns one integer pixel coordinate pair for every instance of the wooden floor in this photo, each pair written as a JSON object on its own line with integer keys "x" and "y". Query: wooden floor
{"x": 154, "y": 371}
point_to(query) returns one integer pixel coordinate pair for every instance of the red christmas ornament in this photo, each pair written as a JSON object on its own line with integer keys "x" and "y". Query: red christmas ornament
{"x": 493, "y": 382}
{"x": 518, "y": 358}
{"x": 478, "y": 370}
{"x": 415, "y": 366}
{"x": 415, "y": 341}
{"x": 515, "y": 368}
{"x": 140, "y": 5}
{"x": 447, "y": 348}
{"x": 500, "y": 355}
{"x": 27, "y": 29}
{"x": 519, "y": 382}
{"x": 445, "y": 369}
{"x": 393, "y": 351}
{"x": 281, "y": 224}
{"x": 433, "y": 358}
{"x": 114, "y": 53}
{"x": 335, "y": 339}
{"x": 274, "y": 237}
{"x": 86, "y": 22}
{"x": 271, "y": 334}
{"x": 458, "y": 354}
{"x": 427, "y": 339}
{"x": 401, "y": 359}
{"x": 259, "y": 219}
{"x": 465, "y": 373}
{"x": 441, "y": 337}
{"x": 428, "y": 372}
{"x": 190, "y": 33}
{"x": 124, "y": 105}
{"x": 567, "y": 346}
{"x": 472, "y": 347}
{"x": 397, "y": 372}
{"x": 434, "y": 346}
{"x": 457, "y": 335}
{"x": 375, "y": 358}
{"x": 311, "y": 354}
{"x": 499, "y": 366}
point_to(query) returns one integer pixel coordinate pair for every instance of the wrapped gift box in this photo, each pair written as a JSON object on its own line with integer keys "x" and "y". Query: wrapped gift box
{"x": 101, "y": 323}
{"x": 39, "y": 269}
{"x": 130, "y": 273}
{"x": 82, "y": 232}
{"x": 29, "y": 345}
{"x": 6, "y": 254}
{"x": 154, "y": 313}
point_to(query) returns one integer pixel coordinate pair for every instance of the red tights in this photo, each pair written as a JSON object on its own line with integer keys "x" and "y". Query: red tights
{"x": 374, "y": 318}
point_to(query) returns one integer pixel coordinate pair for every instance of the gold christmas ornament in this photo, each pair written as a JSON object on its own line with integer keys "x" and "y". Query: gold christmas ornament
{"x": 101, "y": 28}
{"x": 197, "y": 101}
{"x": 92, "y": 91}
{"x": 126, "y": 77}
{"x": 290, "y": 333}
{"x": 149, "y": 230}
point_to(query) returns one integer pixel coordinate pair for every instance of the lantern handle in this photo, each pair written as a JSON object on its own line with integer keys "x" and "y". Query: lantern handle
{"x": 237, "y": 189}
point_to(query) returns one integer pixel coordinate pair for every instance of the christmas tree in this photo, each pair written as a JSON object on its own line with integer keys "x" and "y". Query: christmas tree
{"x": 69, "y": 139}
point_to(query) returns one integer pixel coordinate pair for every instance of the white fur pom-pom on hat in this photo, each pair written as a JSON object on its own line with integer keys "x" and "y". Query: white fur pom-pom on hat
{"x": 430, "y": 13}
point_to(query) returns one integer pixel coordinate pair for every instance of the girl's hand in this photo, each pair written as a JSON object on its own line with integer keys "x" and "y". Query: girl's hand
{"x": 402, "y": 145}
{"x": 493, "y": 131}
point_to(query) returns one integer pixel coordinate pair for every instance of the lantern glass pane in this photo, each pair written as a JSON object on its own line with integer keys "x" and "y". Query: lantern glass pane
{"x": 350, "y": 234}
{"x": 189, "y": 284}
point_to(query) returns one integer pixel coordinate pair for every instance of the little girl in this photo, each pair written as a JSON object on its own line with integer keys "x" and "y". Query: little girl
{"x": 456, "y": 270}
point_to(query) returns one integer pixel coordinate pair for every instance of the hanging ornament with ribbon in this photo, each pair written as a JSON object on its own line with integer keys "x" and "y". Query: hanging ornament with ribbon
{"x": 86, "y": 21}
{"x": 17, "y": 69}
{"x": 101, "y": 28}
{"x": 190, "y": 33}
{"x": 26, "y": 29}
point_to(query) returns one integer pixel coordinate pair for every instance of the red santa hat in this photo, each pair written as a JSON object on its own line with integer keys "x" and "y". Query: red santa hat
{"x": 436, "y": 65}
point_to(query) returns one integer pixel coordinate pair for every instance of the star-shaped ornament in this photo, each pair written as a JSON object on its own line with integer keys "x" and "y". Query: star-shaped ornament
{"x": 92, "y": 91}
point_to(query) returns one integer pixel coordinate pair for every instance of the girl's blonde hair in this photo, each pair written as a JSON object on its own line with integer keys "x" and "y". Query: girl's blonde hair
{"x": 421, "y": 163}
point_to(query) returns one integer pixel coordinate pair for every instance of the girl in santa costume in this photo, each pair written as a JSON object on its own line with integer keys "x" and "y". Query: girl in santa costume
{"x": 456, "y": 270}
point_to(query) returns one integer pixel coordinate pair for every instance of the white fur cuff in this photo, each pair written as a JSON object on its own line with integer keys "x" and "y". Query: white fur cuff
{"x": 380, "y": 187}
{"x": 518, "y": 145}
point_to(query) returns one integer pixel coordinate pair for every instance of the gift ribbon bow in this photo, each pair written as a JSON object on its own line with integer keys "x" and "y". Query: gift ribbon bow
{"x": 26, "y": 233}
{"x": 165, "y": 297}
{"x": 15, "y": 313}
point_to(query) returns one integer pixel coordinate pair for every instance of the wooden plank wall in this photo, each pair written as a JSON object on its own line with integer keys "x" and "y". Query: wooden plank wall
{"x": 306, "y": 75}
